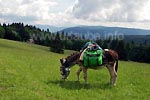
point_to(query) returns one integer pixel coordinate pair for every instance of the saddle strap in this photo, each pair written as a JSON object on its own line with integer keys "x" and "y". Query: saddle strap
{"x": 97, "y": 58}
{"x": 93, "y": 55}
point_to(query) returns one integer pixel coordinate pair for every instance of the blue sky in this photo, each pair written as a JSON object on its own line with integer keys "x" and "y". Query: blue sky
{"x": 65, "y": 13}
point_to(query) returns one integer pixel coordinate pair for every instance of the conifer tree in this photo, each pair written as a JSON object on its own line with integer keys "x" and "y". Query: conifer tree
{"x": 56, "y": 45}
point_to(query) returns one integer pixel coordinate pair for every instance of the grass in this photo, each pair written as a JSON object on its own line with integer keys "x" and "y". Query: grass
{"x": 31, "y": 72}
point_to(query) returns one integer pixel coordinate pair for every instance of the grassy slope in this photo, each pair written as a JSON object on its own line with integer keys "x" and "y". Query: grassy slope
{"x": 31, "y": 72}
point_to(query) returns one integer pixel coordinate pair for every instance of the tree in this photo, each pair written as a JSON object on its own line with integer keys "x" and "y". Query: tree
{"x": 121, "y": 50}
{"x": 128, "y": 49}
{"x": 105, "y": 44}
{"x": 23, "y": 33}
{"x": 56, "y": 45}
{"x": 147, "y": 53}
{"x": 113, "y": 44}
{"x": 145, "y": 43}
{"x": 2, "y": 32}
{"x": 68, "y": 44}
{"x": 9, "y": 34}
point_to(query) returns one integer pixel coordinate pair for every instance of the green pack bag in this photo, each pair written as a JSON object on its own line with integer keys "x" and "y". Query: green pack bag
{"x": 92, "y": 58}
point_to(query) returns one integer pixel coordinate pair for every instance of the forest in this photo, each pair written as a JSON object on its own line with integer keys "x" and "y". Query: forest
{"x": 59, "y": 41}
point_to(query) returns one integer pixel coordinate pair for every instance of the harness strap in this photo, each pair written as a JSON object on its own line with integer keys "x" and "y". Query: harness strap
{"x": 97, "y": 58}
{"x": 88, "y": 60}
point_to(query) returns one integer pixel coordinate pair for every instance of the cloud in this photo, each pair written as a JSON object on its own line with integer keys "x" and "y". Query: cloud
{"x": 109, "y": 10}
{"x": 77, "y": 12}
{"x": 51, "y": 12}
{"x": 25, "y": 10}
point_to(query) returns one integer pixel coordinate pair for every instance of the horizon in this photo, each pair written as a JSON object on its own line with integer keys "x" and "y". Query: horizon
{"x": 46, "y": 26}
{"x": 71, "y": 13}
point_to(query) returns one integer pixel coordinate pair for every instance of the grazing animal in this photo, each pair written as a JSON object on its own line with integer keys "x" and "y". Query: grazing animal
{"x": 110, "y": 60}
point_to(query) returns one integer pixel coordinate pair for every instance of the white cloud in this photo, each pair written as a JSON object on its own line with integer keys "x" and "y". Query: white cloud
{"x": 110, "y": 10}
{"x": 128, "y": 13}
{"x": 25, "y": 9}
{"x": 145, "y": 13}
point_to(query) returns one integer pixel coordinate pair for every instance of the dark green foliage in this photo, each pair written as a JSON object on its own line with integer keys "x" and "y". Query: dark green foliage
{"x": 23, "y": 33}
{"x": 16, "y": 31}
{"x": 2, "y": 32}
{"x": 77, "y": 44}
{"x": 140, "y": 54}
{"x": 68, "y": 44}
{"x": 9, "y": 34}
{"x": 57, "y": 45}
{"x": 120, "y": 48}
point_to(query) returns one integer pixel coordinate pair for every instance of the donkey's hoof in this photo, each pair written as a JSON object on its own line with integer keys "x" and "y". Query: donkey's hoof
{"x": 86, "y": 83}
{"x": 114, "y": 85}
{"x": 77, "y": 81}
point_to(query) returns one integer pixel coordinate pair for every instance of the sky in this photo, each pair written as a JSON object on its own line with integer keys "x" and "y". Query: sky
{"x": 66, "y": 13}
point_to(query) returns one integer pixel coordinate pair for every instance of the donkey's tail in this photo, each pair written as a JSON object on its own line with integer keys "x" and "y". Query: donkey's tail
{"x": 116, "y": 67}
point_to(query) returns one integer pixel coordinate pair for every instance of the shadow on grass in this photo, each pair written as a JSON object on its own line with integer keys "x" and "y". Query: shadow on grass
{"x": 75, "y": 85}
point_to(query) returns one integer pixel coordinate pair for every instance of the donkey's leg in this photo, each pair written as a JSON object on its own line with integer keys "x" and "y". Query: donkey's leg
{"x": 78, "y": 73}
{"x": 85, "y": 74}
{"x": 113, "y": 74}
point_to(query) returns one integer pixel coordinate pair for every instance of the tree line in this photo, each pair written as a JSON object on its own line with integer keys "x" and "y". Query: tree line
{"x": 59, "y": 41}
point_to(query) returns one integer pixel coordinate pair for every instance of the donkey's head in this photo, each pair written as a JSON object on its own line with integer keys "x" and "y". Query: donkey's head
{"x": 64, "y": 68}
{"x": 67, "y": 63}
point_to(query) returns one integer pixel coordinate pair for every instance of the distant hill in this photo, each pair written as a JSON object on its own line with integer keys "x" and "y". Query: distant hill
{"x": 50, "y": 27}
{"x": 105, "y": 30}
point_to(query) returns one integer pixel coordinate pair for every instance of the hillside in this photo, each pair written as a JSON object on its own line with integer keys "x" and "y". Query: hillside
{"x": 50, "y": 27}
{"x": 105, "y": 30}
{"x": 31, "y": 72}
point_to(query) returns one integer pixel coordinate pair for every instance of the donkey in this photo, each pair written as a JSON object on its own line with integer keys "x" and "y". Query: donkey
{"x": 110, "y": 60}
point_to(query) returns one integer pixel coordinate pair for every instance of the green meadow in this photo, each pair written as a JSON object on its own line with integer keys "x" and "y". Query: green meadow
{"x": 31, "y": 72}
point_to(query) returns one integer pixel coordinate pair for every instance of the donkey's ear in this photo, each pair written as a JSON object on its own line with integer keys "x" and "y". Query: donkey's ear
{"x": 61, "y": 60}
